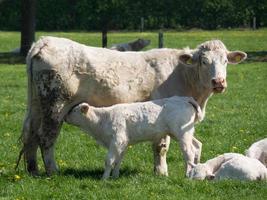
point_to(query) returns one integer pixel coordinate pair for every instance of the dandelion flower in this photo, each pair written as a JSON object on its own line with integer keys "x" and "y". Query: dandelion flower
{"x": 17, "y": 177}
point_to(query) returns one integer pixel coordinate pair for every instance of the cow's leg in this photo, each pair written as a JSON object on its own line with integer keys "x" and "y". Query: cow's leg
{"x": 30, "y": 155}
{"x": 198, "y": 148}
{"x": 49, "y": 132}
{"x": 30, "y": 139}
{"x": 160, "y": 149}
{"x": 54, "y": 96}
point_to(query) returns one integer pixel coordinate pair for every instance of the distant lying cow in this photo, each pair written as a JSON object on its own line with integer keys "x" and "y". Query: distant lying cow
{"x": 121, "y": 125}
{"x": 258, "y": 150}
{"x": 136, "y": 45}
{"x": 63, "y": 73}
{"x": 230, "y": 166}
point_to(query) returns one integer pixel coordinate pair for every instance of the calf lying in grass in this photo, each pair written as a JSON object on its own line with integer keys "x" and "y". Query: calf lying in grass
{"x": 230, "y": 166}
{"x": 258, "y": 150}
{"x": 121, "y": 125}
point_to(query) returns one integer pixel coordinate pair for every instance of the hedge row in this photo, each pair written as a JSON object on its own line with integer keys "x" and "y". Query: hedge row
{"x": 126, "y": 14}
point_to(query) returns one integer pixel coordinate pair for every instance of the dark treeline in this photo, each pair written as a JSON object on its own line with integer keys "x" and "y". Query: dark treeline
{"x": 126, "y": 14}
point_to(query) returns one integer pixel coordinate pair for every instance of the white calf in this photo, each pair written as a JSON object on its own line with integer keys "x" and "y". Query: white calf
{"x": 230, "y": 166}
{"x": 121, "y": 125}
{"x": 258, "y": 150}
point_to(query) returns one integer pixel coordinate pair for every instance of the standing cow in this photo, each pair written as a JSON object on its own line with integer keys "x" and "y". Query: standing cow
{"x": 63, "y": 73}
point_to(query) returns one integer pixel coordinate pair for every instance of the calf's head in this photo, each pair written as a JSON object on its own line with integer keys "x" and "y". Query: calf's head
{"x": 201, "y": 172}
{"x": 210, "y": 60}
{"x": 77, "y": 115}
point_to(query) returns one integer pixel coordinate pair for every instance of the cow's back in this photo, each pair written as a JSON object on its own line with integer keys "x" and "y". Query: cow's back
{"x": 101, "y": 77}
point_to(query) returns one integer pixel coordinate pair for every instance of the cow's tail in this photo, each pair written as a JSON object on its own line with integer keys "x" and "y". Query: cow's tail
{"x": 27, "y": 125}
{"x": 199, "y": 113}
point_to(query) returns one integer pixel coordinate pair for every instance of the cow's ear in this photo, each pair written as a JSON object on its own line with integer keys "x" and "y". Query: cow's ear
{"x": 186, "y": 59}
{"x": 235, "y": 57}
{"x": 84, "y": 108}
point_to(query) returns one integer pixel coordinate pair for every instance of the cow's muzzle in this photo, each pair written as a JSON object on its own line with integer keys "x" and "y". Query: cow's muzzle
{"x": 218, "y": 85}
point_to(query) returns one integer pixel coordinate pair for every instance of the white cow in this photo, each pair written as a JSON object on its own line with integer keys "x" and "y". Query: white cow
{"x": 63, "y": 73}
{"x": 230, "y": 166}
{"x": 121, "y": 125}
{"x": 258, "y": 150}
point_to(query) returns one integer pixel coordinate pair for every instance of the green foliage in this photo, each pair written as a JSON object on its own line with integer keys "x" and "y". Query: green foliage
{"x": 126, "y": 14}
{"x": 234, "y": 120}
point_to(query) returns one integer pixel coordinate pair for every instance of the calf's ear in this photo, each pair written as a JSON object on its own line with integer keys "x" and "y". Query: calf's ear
{"x": 235, "y": 57}
{"x": 84, "y": 108}
{"x": 186, "y": 59}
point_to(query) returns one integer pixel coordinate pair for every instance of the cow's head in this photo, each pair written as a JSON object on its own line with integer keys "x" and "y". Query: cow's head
{"x": 210, "y": 60}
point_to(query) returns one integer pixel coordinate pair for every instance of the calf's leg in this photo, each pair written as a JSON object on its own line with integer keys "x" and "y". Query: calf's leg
{"x": 185, "y": 141}
{"x": 112, "y": 157}
{"x": 116, "y": 170}
{"x": 160, "y": 149}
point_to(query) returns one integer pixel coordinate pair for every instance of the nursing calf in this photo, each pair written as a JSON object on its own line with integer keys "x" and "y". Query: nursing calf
{"x": 121, "y": 125}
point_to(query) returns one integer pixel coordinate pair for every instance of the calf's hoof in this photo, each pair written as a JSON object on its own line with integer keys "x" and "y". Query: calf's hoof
{"x": 161, "y": 171}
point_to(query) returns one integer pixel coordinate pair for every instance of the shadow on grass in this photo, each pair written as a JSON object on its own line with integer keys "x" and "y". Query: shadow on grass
{"x": 11, "y": 58}
{"x": 257, "y": 56}
{"x": 94, "y": 173}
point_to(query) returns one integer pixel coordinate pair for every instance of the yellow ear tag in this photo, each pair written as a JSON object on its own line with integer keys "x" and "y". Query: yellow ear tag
{"x": 189, "y": 61}
{"x": 237, "y": 58}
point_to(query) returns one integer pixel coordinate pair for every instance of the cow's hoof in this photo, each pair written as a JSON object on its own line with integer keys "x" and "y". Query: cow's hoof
{"x": 34, "y": 173}
{"x": 51, "y": 172}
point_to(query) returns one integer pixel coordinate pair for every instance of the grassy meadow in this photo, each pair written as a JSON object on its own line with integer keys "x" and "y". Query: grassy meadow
{"x": 234, "y": 120}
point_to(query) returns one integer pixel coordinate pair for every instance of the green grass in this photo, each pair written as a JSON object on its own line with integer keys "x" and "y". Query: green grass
{"x": 235, "y": 39}
{"x": 234, "y": 120}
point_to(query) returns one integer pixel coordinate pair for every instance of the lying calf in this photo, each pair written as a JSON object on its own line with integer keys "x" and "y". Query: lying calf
{"x": 230, "y": 166}
{"x": 258, "y": 150}
{"x": 121, "y": 125}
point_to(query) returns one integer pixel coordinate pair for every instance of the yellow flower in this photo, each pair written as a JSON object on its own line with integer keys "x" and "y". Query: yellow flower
{"x": 7, "y": 134}
{"x": 62, "y": 163}
{"x": 234, "y": 148}
{"x": 17, "y": 177}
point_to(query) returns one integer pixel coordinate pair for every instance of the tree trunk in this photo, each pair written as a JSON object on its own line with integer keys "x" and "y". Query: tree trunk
{"x": 104, "y": 32}
{"x": 28, "y": 11}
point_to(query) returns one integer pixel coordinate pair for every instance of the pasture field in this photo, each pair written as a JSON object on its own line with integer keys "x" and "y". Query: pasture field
{"x": 234, "y": 120}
